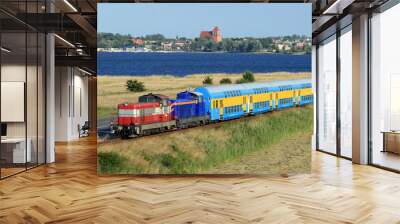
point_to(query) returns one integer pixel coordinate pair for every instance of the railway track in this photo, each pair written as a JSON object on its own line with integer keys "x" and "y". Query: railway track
{"x": 210, "y": 125}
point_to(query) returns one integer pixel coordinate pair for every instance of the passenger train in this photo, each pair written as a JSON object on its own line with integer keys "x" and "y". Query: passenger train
{"x": 156, "y": 113}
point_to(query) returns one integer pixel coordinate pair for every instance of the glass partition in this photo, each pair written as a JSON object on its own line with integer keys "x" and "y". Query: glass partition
{"x": 22, "y": 77}
{"x": 385, "y": 89}
{"x": 13, "y": 114}
{"x": 327, "y": 95}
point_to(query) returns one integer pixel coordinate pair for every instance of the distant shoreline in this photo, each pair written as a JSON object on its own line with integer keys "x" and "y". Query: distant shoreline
{"x": 206, "y": 74}
{"x": 206, "y": 52}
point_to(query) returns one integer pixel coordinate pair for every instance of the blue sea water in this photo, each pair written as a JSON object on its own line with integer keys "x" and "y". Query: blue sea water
{"x": 181, "y": 64}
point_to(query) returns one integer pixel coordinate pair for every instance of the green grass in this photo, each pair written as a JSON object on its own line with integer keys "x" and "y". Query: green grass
{"x": 104, "y": 112}
{"x": 112, "y": 162}
{"x": 241, "y": 137}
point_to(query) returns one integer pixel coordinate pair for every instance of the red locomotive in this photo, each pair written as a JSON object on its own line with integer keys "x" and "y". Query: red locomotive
{"x": 153, "y": 113}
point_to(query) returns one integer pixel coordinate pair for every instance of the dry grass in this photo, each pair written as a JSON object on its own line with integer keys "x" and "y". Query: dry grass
{"x": 135, "y": 150}
{"x": 290, "y": 156}
{"x": 112, "y": 89}
{"x": 212, "y": 149}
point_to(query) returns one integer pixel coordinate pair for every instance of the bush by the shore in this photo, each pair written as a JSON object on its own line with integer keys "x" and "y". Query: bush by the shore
{"x": 208, "y": 81}
{"x": 135, "y": 86}
{"x": 247, "y": 76}
{"x": 225, "y": 81}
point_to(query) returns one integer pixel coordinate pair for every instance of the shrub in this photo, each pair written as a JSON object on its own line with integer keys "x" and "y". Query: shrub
{"x": 135, "y": 86}
{"x": 207, "y": 81}
{"x": 246, "y": 77}
{"x": 225, "y": 81}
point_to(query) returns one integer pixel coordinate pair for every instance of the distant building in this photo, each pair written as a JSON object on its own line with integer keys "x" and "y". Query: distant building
{"x": 167, "y": 46}
{"x": 214, "y": 34}
{"x": 137, "y": 42}
{"x": 300, "y": 45}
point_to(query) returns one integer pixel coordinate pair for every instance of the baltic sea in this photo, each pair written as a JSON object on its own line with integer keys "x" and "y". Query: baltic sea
{"x": 182, "y": 63}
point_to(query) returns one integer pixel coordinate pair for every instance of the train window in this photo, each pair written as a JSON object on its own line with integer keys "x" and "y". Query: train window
{"x": 216, "y": 103}
{"x": 251, "y": 99}
{"x": 220, "y": 103}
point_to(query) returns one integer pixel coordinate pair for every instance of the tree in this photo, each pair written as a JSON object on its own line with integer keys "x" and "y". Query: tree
{"x": 225, "y": 81}
{"x": 254, "y": 45}
{"x": 135, "y": 86}
{"x": 207, "y": 81}
{"x": 158, "y": 36}
{"x": 108, "y": 40}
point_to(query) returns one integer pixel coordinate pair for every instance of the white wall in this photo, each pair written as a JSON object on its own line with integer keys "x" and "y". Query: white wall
{"x": 12, "y": 73}
{"x": 346, "y": 75}
{"x": 71, "y": 94}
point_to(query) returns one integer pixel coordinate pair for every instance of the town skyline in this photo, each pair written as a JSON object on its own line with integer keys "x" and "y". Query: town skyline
{"x": 223, "y": 36}
{"x": 207, "y": 41}
{"x": 186, "y": 20}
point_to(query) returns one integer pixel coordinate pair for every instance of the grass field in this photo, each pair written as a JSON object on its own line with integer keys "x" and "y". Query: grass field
{"x": 112, "y": 89}
{"x": 271, "y": 143}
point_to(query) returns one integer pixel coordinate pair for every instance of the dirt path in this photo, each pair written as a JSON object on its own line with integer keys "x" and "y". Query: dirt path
{"x": 292, "y": 155}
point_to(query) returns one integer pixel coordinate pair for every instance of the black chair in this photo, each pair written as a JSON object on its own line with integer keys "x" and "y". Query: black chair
{"x": 84, "y": 130}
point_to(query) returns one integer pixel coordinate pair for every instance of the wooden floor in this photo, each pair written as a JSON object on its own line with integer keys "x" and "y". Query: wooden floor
{"x": 70, "y": 191}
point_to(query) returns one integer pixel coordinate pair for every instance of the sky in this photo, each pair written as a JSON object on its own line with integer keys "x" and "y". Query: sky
{"x": 188, "y": 19}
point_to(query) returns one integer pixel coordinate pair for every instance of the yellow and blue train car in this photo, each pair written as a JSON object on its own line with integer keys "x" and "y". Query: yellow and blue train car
{"x": 225, "y": 102}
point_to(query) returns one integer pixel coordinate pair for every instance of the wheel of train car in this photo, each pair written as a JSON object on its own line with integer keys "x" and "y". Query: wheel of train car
{"x": 125, "y": 134}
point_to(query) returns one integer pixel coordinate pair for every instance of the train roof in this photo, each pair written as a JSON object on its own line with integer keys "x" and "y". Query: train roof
{"x": 152, "y": 98}
{"x": 249, "y": 88}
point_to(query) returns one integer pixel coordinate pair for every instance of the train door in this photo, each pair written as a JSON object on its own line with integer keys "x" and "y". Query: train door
{"x": 221, "y": 109}
{"x": 245, "y": 105}
{"x": 141, "y": 115}
{"x": 215, "y": 110}
{"x": 271, "y": 101}
{"x": 251, "y": 103}
{"x": 298, "y": 97}
{"x": 196, "y": 106}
